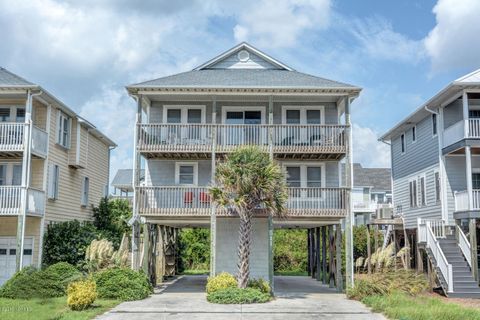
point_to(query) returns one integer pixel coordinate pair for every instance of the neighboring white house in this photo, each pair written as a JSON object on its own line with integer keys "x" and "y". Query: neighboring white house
{"x": 54, "y": 166}
{"x": 436, "y": 181}
{"x": 187, "y": 122}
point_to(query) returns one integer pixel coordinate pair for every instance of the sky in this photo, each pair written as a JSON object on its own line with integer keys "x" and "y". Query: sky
{"x": 85, "y": 52}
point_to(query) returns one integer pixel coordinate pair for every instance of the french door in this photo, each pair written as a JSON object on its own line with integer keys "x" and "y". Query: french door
{"x": 244, "y": 127}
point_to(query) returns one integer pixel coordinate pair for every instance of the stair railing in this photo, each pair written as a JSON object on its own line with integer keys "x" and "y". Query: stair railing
{"x": 464, "y": 245}
{"x": 440, "y": 259}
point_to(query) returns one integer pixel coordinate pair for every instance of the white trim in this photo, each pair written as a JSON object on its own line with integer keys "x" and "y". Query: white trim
{"x": 239, "y": 47}
{"x": 184, "y": 112}
{"x": 303, "y": 171}
{"x": 195, "y": 172}
{"x": 303, "y": 112}
{"x": 226, "y": 109}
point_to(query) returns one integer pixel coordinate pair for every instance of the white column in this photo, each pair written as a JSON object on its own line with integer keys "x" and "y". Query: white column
{"x": 442, "y": 171}
{"x": 468, "y": 166}
{"x": 349, "y": 182}
{"x": 465, "y": 113}
{"x": 136, "y": 182}
{"x": 213, "y": 216}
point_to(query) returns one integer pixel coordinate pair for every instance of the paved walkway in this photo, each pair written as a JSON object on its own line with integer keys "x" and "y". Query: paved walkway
{"x": 295, "y": 298}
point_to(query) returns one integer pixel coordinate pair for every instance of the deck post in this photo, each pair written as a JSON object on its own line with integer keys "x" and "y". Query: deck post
{"x": 213, "y": 216}
{"x": 136, "y": 183}
{"x": 394, "y": 247}
{"x": 348, "y": 203}
{"x": 369, "y": 251}
{"x": 472, "y": 228}
{"x": 160, "y": 255}
{"x": 146, "y": 248}
{"x": 419, "y": 256}
{"x": 468, "y": 168}
{"x": 270, "y": 253}
{"x": 318, "y": 273}
{"x": 324, "y": 254}
{"x": 312, "y": 252}
{"x": 308, "y": 251}
{"x": 338, "y": 254}
{"x": 331, "y": 257}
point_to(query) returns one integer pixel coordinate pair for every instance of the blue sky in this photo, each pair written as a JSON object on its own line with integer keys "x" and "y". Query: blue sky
{"x": 85, "y": 52}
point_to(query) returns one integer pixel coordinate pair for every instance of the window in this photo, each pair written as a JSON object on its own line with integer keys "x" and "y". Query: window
{"x": 303, "y": 114}
{"x": 12, "y": 114}
{"x": 293, "y": 177}
{"x": 414, "y": 134}
{"x": 305, "y": 176}
{"x": 437, "y": 186}
{"x": 186, "y": 173}
{"x": 475, "y": 114}
{"x": 476, "y": 180}
{"x": 413, "y": 193}
{"x": 10, "y": 174}
{"x": 4, "y": 114}
{"x": 85, "y": 187}
{"x": 434, "y": 124}
{"x": 53, "y": 180}
{"x": 423, "y": 193}
{"x": 402, "y": 141}
{"x": 63, "y": 130}
{"x": 314, "y": 177}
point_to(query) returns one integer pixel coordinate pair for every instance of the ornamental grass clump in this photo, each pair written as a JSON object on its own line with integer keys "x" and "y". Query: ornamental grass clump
{"x": 81, "y": 294}
{"x": 221, "y": 281}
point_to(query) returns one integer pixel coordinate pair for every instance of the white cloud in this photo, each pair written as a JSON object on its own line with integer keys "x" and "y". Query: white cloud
{"x": 367, "y": 150}
{"x": 281, "y": 23}
{"x": 453, "y": 42}
{"x": 379, "y": 40}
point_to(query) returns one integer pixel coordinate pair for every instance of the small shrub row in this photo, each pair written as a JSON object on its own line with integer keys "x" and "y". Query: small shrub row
{"x": 405, "y": 281}
{"x": 238, "y": 296}
{"x": 48, "y": 283}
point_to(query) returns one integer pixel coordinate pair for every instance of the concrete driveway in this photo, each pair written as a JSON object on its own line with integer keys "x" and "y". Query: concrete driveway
{"x": 295, "y": 298}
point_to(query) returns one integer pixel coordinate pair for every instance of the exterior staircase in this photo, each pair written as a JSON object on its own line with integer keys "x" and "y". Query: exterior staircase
{"x": 450, "y": 258}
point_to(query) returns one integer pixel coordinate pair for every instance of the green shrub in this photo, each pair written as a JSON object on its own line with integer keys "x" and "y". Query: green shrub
{"x": 81, "y": 294}
{"x": 221, "y": 281}
{"x": 290, "y": 250}
{"x": 123, "y": 284}
{"x": 31, "y": 283}
{"x": 238, "y": 296}
{"x": 404, "y": 281}
{"x": 194, "y": 248}
{"x": 110, "y": 219}
{"x": 67, "y": 241}
{"x": 259, "y": 284}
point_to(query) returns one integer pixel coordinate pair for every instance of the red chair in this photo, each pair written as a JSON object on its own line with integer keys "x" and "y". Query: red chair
{"x": 204, "y": 197}
{"x": 188, "y": 197}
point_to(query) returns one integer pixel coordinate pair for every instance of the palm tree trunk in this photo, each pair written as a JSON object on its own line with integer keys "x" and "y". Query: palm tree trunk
{"x": 244, "y": 247}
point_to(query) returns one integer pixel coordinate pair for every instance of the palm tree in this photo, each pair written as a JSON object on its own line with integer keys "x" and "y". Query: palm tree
{"x": 246, "y": 182}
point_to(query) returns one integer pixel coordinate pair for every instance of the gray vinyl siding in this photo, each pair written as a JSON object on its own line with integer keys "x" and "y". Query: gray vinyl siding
{"x": 330, "y": 109}
{"x": 162, "y": 172}
{"x": 452, "y": 113}
{"x": 418, "y": 155}
{"x": 401, "y": 190}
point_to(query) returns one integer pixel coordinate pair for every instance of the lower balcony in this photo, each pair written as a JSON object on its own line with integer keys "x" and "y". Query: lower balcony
{"x": 11, "y": 201}
{"x": 195, "y": 201}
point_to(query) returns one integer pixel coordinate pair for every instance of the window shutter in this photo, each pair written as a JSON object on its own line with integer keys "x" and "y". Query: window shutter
{"x": 51, "y": 181}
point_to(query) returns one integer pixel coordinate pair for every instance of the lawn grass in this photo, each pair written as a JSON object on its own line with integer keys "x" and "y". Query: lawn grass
{"x": 404, "y": 307}
{"x": 195, "y": 272}
{"x": 48, "y": 309}
{"x": 291, "y": 273}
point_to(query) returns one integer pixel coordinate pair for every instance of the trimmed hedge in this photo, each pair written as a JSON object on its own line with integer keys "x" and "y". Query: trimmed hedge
{"x": 122, "y": 284}
{"x": 48, "y": 283}
{"x": 238, "y": 296}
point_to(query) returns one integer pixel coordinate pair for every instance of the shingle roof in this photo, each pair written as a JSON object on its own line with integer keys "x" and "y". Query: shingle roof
{"x": 10, "y": 79}
{"x": 243, "y": 78}
{"x": 377, "y": 178}
{"x": 123, "y": 178}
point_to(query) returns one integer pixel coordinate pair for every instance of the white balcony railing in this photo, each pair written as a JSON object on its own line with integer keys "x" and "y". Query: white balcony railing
{"x": 39, "y": 141}
{"x": 11, "y": 136}
{"x": 464, "y": 245}
{"x": 474, "y": 128}
{"x": 200, "y": 137}
{"x": 194, "y": 200}
{"x": 456, "y": 132}
{"x": 11, "y": 200}
{"x": 462, "y": 200}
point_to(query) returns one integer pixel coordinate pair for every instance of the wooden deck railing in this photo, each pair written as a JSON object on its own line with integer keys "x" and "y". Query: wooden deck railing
{"x": 190, "y": 200}
{"x": 11, "y": 200}
{"x": 200, "y": 137}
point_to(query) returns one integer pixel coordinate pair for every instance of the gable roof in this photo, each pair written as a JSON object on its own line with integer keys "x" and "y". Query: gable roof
{"x": 444, "y": 97}
{"x": 8, "y": 79}
{"x": 247, "y": 47}
{"x": 379, "y": 179}
{"x": 217, "y": 75}
{"x": 11, "y": 81}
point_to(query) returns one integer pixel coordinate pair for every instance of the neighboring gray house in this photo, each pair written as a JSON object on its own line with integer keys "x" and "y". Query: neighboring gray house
{"x": 436, "y": 180}
{"x": 122, "y": 182}
{"x": 187, "y": 122}
{"x": 371, "y": 192}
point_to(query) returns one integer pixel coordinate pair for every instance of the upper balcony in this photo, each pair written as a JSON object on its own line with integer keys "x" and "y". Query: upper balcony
{"x": 201, "y": 140}
{"x": 12, "y": 140}
{"x": 193, "y": 201}
{"x": 463, "y": 129}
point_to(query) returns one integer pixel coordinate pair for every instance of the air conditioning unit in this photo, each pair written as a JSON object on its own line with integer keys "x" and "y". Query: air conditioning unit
{"x": 384, "y": 213}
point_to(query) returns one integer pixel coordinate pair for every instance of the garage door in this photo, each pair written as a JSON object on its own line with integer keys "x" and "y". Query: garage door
{"x": 8, "y": 250}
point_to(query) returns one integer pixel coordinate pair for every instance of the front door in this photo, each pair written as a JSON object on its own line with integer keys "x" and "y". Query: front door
{"x": 244, "y": 129}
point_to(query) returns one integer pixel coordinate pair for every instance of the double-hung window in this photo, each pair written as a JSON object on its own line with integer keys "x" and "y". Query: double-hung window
{"x": 186, "y": 173}
{"x": 53, "y": 181}
{"x": 305, "y": 177}
{"x": 63, "y": 130}
{"x": 85, "y": 189}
